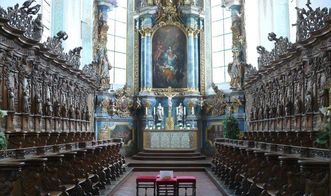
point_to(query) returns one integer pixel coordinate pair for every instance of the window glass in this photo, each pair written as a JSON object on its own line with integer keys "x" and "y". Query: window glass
{"x": 221, "y": 42}
{"x": 117, "y": 22}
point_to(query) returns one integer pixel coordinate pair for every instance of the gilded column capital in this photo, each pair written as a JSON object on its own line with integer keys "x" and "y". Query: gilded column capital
{"x": 192, "y": 31}
{"x": 145, "y": 31}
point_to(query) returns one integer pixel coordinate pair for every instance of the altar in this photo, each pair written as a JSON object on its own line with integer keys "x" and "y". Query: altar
{"x": 177, "y": 139}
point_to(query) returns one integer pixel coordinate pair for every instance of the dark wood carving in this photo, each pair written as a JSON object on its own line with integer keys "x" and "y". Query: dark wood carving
{"x": 278, "y": 156}
{"x": 42, "y": 87}
{"x": 291, "y": 84}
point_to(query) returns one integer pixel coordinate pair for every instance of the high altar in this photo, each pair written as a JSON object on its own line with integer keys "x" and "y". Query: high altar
{"x": 169, "y": 37}
{"x": 165, "y": 104}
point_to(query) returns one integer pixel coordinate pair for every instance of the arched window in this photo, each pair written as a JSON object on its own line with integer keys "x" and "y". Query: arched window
{"x": 117, "y": 49}
{"x": 221, "y": 42}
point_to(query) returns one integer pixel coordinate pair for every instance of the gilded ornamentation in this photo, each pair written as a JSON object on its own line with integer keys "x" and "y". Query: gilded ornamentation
{"x": 192, "y": 31}
{"x": 216, "y": 104}
{"x": 107, "y": 106}
{"x": 145, "y": 32}
{"x": 202, "y": 62}
{"x": 125, "y": 104}
{"x": 167, "y": 12}
{"x": 100, "y": 49}
{"x": 236, "y": 68}
{"x": 161, "y": 91}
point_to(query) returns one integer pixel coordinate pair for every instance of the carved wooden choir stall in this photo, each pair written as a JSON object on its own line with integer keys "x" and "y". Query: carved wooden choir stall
{"x": 279, "y": 154}
{"x": 49, "y": 102}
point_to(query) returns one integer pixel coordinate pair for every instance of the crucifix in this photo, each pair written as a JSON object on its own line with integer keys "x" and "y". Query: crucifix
{"x": 170, "y": 95}
{"x": 169, "y": 120}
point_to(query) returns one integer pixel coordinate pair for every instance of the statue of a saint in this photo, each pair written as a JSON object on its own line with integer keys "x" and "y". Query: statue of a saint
{"x": 159, "y": 113}
{"x": 11, "y": 99}
{"x": 297, "y": 104}
{"x": 308, "y": 102}
{"x": 103, "y": 69}
{"x": 49, "y": 107}
{"x": 180, "y": 113}
{"x": 57, "y": 109}
{"x": 39, "y": 106}
{"x": 26, "y": 104}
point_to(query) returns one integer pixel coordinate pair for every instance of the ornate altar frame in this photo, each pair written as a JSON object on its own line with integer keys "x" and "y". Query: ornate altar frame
{"x": 186, "y": 30}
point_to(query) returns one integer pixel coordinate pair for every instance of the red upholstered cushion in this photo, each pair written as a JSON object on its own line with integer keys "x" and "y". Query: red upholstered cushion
{"x": 146, "y": 179}
{"x": 186, "y": 179}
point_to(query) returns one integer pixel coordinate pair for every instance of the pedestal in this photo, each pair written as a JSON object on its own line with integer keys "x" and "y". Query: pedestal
{"x": 308, "y": 120}
{"x": 72, "y": 127}
{"x": 192, "y": 121}
{"x": 10, "y": 121}
{"x": 260, "y": 125}
{"x": 297, "y": 123}
{"x": 288, "y": 126}
{"x": 279, "y": 124}
{"x": 65, "y": 124}
{"x": 37, "y": 121}
{"x": 48, "y": 124}
{"x": 57, "y": 124}
{"x": 84, "y": 125}
{"x": 265, "y": 125}
{"x": 169, "y": 123}
{"x": 25, "y": 122}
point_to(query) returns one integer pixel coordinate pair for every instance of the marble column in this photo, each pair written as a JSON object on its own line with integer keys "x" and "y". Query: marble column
{"x": 190, "y": 60}
{"x": 196, "y": 60}
{"x": 148, "y": 61}
{"x": 142, "y": 62}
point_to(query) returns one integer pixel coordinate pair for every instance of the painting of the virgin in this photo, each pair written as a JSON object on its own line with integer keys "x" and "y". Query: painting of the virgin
{"x": 169, "y": 58}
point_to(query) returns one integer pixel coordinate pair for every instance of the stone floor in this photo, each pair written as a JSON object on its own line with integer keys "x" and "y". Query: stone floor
{"x": 205, "y": 186}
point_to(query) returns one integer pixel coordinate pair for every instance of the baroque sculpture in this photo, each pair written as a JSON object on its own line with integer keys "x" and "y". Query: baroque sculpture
{"x": 100, "y": 48}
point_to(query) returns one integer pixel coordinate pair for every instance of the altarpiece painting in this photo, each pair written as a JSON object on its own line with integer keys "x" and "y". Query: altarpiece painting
{"x": 169, "y": 58}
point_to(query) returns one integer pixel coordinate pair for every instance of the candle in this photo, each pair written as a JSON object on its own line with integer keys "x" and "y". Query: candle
{"x": 154, "y": 110}
{"x": 184, "y": 110}
{"x": 146, "y": 111}
{"x": 192, "y": 110}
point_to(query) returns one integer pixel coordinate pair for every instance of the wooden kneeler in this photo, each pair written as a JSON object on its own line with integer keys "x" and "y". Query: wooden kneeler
{"x": 186, "y": 182}
{"x": 145, "y": 182}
